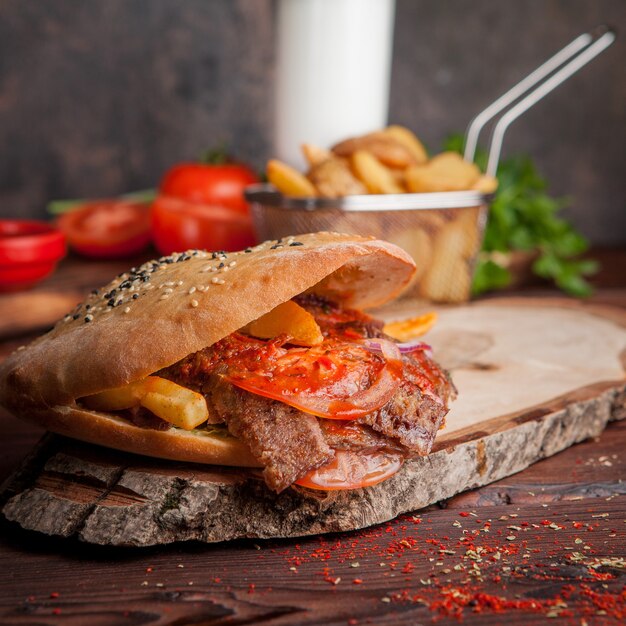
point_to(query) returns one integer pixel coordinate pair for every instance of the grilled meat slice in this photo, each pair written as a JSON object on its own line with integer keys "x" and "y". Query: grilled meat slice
{"x": 349, "y": 435}
{"x": 418, "y": 408}
{"x": 287, "y": 442}
{"x": 411, "y": 418}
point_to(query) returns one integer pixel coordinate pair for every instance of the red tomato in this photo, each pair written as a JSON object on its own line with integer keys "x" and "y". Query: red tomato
{"x": 178, "y": 225}
{"x": 351, "y": 470}
{"x": 221, "y": 185}
{"x": 106, "y": 229}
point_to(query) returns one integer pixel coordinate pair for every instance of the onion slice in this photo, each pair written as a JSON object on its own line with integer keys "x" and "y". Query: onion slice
{"x": 404, "y": 348}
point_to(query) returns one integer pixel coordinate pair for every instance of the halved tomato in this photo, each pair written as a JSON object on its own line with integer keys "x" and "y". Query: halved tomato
{"x": 180, "y": 225}
{"x": 106, "y": 229}
{"x": 352, "y": 470}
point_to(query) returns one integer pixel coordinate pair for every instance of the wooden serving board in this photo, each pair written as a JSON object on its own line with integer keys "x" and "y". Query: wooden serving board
{"x": 534, "y": 377}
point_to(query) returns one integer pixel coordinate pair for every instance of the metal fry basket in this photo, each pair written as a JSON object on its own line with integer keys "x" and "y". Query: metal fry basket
{"x": 442, "y": 231}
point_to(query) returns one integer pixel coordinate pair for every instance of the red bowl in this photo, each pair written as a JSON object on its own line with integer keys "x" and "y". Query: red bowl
{"x": 29, "y": 251}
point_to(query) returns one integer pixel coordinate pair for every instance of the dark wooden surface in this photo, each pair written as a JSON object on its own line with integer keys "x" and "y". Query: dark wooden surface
{"x": 549, "y": 542}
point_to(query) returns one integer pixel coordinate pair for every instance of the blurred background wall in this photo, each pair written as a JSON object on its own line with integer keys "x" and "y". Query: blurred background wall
{"x": 99, "y": 97}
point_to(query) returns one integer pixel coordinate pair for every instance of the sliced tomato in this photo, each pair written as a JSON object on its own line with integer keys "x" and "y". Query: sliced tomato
{"x": 213, "y": 184}
{"x": 335, "y": 380}
{"x": 352, "y": 470}
{"x": 107, "y": 228}
{"x": 180, "y": 225}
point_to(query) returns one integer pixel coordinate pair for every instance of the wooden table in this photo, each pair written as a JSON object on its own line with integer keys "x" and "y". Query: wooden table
{"x": 549, "y": 542}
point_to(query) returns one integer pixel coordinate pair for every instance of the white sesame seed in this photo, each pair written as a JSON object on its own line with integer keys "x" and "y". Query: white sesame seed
{"x": 225, "y": 269}
{"x": 221, "y": 282}
{"x": 179, "y": 283}
{"x": 208, "y": 268}
{"x": 164, "y": 297}
{"x": 169, "y": 290}
{"x": 215, "y": 280}
{"x": 127, "y": 309}
{"x": 232, "y": 264}
{"x": 194, "y": 303}
{"x": 192, "y": 290}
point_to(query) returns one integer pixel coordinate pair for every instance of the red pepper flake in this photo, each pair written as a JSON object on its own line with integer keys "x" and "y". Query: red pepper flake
{"x": 54, "y": 594}
{"x": 56, "y": 611}
{"x": 251, "y": 588}
{"x": 148, "y": 570}
{"x": 217, "y": 580}
{"x": 357, "y": 581}
{"x": 463, "y": 513}
{"x": 352, "y": 621}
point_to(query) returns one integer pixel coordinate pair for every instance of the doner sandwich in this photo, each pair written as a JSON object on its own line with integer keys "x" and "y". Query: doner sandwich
{"x": 262, "y": 358}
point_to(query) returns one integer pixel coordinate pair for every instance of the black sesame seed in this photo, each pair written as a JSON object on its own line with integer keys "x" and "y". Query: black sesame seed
{"x": 111, "y": 302}
{"x": 75, "y": 316}
{"x": 220, "y": 266}
{"x": 248, "y": 250}
{"x": 135, "y": 296}
{"x": 88, "y": 306}
{"x": 87, "y": 319}
{"x": 296, "y": 243}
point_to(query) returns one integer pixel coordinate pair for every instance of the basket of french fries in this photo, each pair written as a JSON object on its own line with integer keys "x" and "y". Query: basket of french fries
{"x": 383, "y": 184}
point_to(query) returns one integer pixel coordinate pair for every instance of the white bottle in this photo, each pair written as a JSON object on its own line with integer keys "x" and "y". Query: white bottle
{"x": 333, "y": 72}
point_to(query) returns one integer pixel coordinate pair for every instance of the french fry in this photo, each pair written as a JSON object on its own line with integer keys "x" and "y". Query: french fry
{"x": 409, "y": 140}
{"x": 468, "y": 222}
{"x": 314, "y": 154}
{"x": 486, "y": 184}
{"x": 417, "y": 243}
{"x": 445, "y": 172}
{"x": 376, "y": 177}
{"x": 400, "y": 177}
{"x": 448, "y": 277}
{"x": 116, "y": 399}
{"x": 290, "y": 319}
{"x": 168, "y": 400}
{"x": 388, "y": 150}
{"x": 288, "y": 180}
{"x": 177, "y": 405}
{"x": 333, "y": 178}
{"x": 406, "y": 330}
